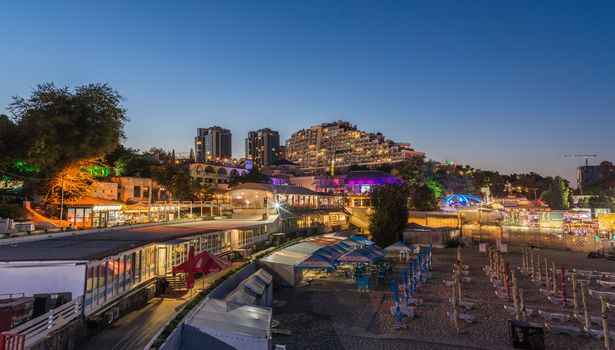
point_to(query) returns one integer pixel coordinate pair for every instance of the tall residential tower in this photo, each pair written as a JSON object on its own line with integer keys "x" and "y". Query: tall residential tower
{"x": 263, "y": 147}
{"x": 212, "y": 144}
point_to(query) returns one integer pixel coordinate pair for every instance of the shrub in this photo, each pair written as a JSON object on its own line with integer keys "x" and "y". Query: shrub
{"x": 10, "y": 211}
{"x": 452, "y": 242}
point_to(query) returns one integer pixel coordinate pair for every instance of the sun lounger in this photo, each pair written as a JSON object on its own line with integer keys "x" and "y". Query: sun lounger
{"x": 593, "y": 319}
{"x": 500, "y": 294}
{"x": 609, "y": 275}
{"x": 554, "y": 316}
{"x": 465, "y": 317}
{"x": 538, "y": 281}
{"x": 466, "y": 279}
{"x": 448, "y": 283}
{"x": 558, "y": 301}
{"x": 463, "y": 303}
{"x": 606, "y": 284}
{"x": 511, "y": 311}
{"x": 559, "y": 329}
{"x": 598, "y": 333}
{"x": 405, "y": 310}
{"x": 415, "y": 301}
{"x": 584, "y": 272}
{"x": 548, "y": 292}
{"x": 596, "y": 294}
{"x": 586, "y": 282}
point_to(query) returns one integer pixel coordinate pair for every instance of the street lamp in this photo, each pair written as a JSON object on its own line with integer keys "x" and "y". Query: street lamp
{"x": 62, "y": 201}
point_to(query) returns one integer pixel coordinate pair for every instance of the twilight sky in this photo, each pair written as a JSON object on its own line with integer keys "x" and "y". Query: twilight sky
{"x": 504, "y": 85}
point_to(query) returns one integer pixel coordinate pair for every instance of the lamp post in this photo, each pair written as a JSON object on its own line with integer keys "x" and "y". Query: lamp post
{"x": 61, "y": 201}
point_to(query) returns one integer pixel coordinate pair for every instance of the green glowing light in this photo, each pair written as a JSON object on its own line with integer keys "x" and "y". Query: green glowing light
{"x": 26, "y": 168}
{"x": 97, "y": 170}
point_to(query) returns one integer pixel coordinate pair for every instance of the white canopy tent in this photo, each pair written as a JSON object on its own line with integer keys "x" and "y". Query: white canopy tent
{"x": 220, "y": 324}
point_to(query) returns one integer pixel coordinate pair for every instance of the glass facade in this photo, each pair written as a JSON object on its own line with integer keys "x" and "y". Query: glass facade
{"x": 115, "y": 276}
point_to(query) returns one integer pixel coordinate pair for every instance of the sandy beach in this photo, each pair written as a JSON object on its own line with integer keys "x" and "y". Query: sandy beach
{"x": 329, "y": 313}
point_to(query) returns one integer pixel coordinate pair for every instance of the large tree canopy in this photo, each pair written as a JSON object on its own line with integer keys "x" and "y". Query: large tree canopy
{"x": 390, "y": 215}
{"x": 57, "y": 127}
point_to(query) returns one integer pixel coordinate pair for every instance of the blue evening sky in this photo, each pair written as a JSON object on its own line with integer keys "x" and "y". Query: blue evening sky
{"x": 505, "y": 85}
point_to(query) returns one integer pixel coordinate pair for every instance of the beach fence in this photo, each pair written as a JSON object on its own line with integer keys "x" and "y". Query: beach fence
{"x": 487, "y": 227}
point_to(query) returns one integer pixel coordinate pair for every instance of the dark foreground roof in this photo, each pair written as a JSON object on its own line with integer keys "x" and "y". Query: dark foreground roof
{"x": 98, "y": 245}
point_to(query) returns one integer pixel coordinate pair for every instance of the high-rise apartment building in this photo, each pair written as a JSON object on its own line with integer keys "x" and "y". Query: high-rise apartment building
{"x": 341, "y": 143}
{"x": 211, "y": 144}
{"x": 263, "y": 147}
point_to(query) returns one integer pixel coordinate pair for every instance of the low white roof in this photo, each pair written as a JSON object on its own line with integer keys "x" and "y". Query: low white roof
{"x": 231, "y": 317}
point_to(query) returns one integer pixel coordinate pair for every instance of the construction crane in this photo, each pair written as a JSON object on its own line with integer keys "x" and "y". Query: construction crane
{"x": 586, "y": 156}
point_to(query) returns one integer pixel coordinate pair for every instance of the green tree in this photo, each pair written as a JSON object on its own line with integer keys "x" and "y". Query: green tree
{"x": 251, "y": 176}
{"x": 559, "y": 195}
{"x": 57, "y": 127}
{"x": 390, "y": 216}
{"x": 177, "y": 180}
{"x": 421, "y": 186}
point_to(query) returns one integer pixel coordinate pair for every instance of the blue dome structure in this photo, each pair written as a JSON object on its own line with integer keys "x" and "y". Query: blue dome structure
{"x": 462, "y": 200}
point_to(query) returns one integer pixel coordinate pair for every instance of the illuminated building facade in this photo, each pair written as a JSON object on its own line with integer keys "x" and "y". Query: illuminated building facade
{"x": 341, "y": 143}
{"x": 212, "y": 144}
{"x": 263, "y": 147}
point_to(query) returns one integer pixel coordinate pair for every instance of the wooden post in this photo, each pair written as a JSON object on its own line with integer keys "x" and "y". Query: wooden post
{"x": 539, "y": 269}
{"x": 507, "y": 281}
{"x": 605, "y": 322}
{"x": 522, "y": 304}
{"x": 585, "y": 308}
{"x": 554, "y": 279}
{"x": 516, "y": 296}
{"x": 547, "y": 276}
{"x": 563, "y": 286}
{"x": 455, "y": 307}
{"x": 532, "y": 264}
{"x": 459, "y": 284}
{"x": 524, "y": 251}
{"x": 575, "y": 301}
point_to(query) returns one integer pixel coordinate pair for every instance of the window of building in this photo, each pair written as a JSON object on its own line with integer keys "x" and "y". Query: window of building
{"x": 145, "y": 191}
{"x": 137, "y": 191}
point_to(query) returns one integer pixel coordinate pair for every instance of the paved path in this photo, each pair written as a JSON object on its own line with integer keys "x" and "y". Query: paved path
{"x": 137, "y": 328}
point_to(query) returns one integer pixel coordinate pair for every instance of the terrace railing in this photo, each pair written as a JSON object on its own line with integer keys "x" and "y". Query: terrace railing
{"x": 44, "y": 325}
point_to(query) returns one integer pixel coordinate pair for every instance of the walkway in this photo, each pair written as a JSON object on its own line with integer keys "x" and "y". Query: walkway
{"x": 136, "y": 329}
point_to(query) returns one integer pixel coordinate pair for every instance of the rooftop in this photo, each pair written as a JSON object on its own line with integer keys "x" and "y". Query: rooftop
{"x": 98, "y": 245}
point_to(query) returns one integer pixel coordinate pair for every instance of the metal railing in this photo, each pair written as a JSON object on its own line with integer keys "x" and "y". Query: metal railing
{"x": 42, "y": 326}
{"x": 12, "y": 341}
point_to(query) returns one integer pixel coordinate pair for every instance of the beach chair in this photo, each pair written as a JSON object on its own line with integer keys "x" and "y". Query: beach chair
{"x": 583, "y": 272}
{"x": 554, "y": 316}
{"x": 598, "y": 333}
{"x": 593, "y": 319}
{"x": 464, "y": 317}
{"x": 415, "y": 301}
{"x": 559, "y": 329}
{"x": 463, "y": 303}
{"x": 558, "y": 301}
{"x": 448, "y": 283}
{"x": 608, "y": 275}
{"x": 596, "y": 294}
{"x": 548, "y": 292}
{"x": 466, "y": 279}
{"x": 512, "y": 311}
{"x": 606, "y": 284}
{"x": 405, "y": 310}
{"x": 500, "y": 294}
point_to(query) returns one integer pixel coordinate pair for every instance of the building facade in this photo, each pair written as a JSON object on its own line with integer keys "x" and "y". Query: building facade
{"x": 263, "y": 147}
{"x": 340, "y": 145}
{"x": 217, "y": 176}
{"x": 212, "y": 143}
